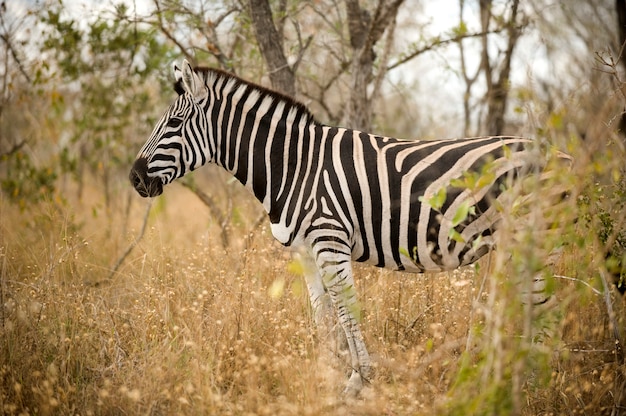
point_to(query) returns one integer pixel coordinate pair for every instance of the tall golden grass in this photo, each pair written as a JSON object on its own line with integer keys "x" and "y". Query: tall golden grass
{"x": 186, "y": 327}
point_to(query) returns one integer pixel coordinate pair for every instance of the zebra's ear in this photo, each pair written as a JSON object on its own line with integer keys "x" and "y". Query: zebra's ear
{"x": 178, "y": 74}
{"x": 178, "y": 79}
{"x": 190, "y": 80}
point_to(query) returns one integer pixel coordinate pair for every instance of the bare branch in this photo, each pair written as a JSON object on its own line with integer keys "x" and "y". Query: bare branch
{"x": 620, "y": 6}
{"x": 7, "y": 32}
{"x": 169, "y": 35}
{"x": 301, "y": 46}
{"x": 216, "y": 212}
{"x": 7, "y": 41}
{"x": 213, "y": 44}
{"x": 573, "y": 279}
{"x": 332, "y": 27}
{"x": 16, "y": 147}
{"x": 384, "y": 59}
{"x": 468, "y": 79}
{"x": 437, "y": 42}
{"x": 485, "y": 19}
{"x": 382, "y": 19}
{"x": 132, "y": 245}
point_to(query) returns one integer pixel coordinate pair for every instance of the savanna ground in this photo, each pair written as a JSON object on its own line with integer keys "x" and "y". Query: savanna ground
{"x": 187, "y": 327}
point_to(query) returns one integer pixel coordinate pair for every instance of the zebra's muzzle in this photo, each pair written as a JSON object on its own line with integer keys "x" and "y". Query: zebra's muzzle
{"x": 144, "y": 184}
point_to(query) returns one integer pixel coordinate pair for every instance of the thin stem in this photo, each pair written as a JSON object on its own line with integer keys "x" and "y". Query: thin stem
{"x": 134, "y": 243}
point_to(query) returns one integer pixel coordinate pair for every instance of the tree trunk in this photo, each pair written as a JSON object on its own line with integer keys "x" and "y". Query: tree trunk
{"x": 498, "y": 84}
{"x": 358, "y": 115}
{"x": 365, "y": 31}
{"x": 270, "y": 43}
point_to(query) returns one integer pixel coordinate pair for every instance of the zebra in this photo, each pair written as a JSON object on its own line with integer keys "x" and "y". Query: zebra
{"x": 340, "y": 194}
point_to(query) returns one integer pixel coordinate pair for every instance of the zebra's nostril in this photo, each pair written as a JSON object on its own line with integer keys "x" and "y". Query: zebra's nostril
{"x": 143, "y": 184}
{"x": 134, "y": 178}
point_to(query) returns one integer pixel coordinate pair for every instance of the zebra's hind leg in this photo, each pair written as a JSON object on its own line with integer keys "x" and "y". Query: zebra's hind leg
{"x": 539, "y": 296}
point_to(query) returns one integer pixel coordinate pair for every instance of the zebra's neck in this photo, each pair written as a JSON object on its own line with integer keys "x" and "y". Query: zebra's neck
{"x": 259, "y": 136}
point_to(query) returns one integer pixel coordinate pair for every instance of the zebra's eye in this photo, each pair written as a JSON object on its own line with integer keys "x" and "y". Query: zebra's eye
{"x": 174, "y": 122}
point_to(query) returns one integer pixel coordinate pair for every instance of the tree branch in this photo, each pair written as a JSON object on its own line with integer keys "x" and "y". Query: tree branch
{"x": 302, "y": 46}
{"x": 440, "y": 42}
{"x": 16, "y": 58}
{"x": 169, "y": 35}
{"x": 132, "y": 245}
{"x": 384, "y": 59}
{"x": 382, "y": 19}
{"x": 620, "y": 6}
{"x": 6, "y": 38}
{"x": 13, "y": 149}
{"x": 216, "y": 212}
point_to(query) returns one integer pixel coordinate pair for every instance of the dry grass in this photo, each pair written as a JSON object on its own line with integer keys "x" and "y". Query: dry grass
{"x": 185, "y": 328}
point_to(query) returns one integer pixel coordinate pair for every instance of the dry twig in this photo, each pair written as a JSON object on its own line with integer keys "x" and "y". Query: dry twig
{"x": 134, "y": 243}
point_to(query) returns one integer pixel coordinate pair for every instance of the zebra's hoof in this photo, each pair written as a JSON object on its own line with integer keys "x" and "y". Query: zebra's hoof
{"x": 354, "y": 386}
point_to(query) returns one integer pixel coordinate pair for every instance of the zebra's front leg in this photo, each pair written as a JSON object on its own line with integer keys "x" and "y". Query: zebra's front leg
{"x": 329, "y": 330}
{"x": 336, "y": 270}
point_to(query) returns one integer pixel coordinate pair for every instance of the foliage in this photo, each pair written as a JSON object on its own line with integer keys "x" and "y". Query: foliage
{"x": 604, "y": 206}
{"x": 24, "y": 182}
{"x": 101, "y": 69}
{"x": 89, "y": 94}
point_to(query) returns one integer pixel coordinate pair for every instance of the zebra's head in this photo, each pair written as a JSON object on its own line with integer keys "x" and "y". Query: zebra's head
{"x": 174, "y": 147}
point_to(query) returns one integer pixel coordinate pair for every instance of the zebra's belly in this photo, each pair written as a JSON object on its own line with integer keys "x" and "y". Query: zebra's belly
{"x": 434, "y": 257}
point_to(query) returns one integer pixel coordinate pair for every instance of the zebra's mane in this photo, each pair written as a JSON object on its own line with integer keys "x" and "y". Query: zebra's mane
{"x": 205, "y": 73}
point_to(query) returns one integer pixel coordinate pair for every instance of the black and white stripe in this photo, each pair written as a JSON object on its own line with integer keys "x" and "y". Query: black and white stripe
{"x": 342, "y": 194}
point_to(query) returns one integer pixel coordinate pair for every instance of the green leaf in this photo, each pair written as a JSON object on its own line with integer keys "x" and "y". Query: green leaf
{"x": 486, "y": 179}
{"x": 458, "y": 183}
{"x": 436, "y": 201}
{"x": 460, "y": 30}
{"x": 462, "y": 212}
{"x": 456, "y": 236}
